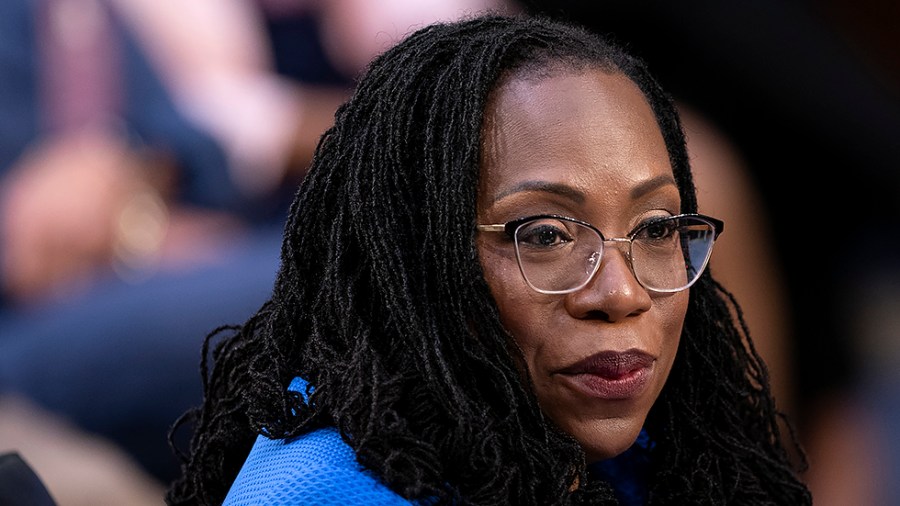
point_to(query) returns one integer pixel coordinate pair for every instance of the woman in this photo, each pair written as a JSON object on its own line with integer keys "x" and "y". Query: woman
{"x": 493, "y": 292}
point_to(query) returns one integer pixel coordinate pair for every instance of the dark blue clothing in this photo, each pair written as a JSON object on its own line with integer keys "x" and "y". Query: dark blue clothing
{"x": 18, "y": 81}
{"x": 628, "y": 472}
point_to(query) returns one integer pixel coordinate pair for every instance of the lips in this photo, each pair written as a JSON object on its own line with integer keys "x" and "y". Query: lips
{"x": 611, "y": 364}
{"x": 611, "y": 375}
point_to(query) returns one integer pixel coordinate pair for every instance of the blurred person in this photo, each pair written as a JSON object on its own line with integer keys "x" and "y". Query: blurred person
{"x": 121, "y": 227}
{"x": 148, "y": 156}
{"x": 118, "y": 159}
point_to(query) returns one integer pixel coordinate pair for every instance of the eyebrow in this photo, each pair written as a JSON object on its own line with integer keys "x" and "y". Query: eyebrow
{"x": 544, "y": 186}
{"x": 577, "y": 196}
{"x": 652, "y": 184}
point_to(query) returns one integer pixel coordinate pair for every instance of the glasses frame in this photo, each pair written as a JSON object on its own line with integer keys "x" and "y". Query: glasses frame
{"x": 510, "y": 228}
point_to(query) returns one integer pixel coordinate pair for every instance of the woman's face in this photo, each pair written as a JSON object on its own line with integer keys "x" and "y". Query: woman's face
{"x": 585, "y": 145}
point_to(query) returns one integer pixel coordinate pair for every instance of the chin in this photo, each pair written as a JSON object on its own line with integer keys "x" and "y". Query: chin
{"x": 607, "y": 438}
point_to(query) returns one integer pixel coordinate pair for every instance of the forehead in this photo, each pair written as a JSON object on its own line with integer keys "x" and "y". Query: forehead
{"x": 590, "y": 129}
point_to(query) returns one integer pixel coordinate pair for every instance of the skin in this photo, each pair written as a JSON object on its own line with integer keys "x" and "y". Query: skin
{"x": 584, "y": 144}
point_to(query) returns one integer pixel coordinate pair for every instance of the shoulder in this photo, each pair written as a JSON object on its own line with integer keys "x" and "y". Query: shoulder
{"x": 314, "y": 469}
{"x": 317, "y": 468}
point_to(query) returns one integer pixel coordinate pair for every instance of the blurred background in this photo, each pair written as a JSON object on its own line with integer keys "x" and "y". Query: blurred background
{"x": 149, "y": 150}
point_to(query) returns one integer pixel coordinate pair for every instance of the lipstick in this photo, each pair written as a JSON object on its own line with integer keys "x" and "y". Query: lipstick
{"x": 611, "y": 375}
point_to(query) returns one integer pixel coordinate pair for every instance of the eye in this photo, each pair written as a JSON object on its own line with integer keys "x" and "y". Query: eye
{"x": 657, "y": 230}
{"x": 544, "y": 233}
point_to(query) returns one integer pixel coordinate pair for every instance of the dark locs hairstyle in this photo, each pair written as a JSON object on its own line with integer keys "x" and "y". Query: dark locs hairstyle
{"x": 381, "y": 304}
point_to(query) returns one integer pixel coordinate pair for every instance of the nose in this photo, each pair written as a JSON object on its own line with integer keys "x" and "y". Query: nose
{"x": 613, "y": 293}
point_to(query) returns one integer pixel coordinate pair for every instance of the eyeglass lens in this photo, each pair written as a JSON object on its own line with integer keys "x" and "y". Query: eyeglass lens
{"x": 558, "y": 255}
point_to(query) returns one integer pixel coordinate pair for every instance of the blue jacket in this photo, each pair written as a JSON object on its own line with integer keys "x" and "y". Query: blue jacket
{"x": 317, "y": 468}
{"x": 320, "y": 469}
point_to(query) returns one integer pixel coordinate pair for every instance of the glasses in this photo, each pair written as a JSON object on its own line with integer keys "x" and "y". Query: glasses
{"x": 558, "y": 254}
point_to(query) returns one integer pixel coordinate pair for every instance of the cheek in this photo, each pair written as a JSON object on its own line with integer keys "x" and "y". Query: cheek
{"x": 520, "y": 309}
{"x": 672, "y": 311}
{"x": 677, "y": 313}
{"x": 499, "y": 272}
